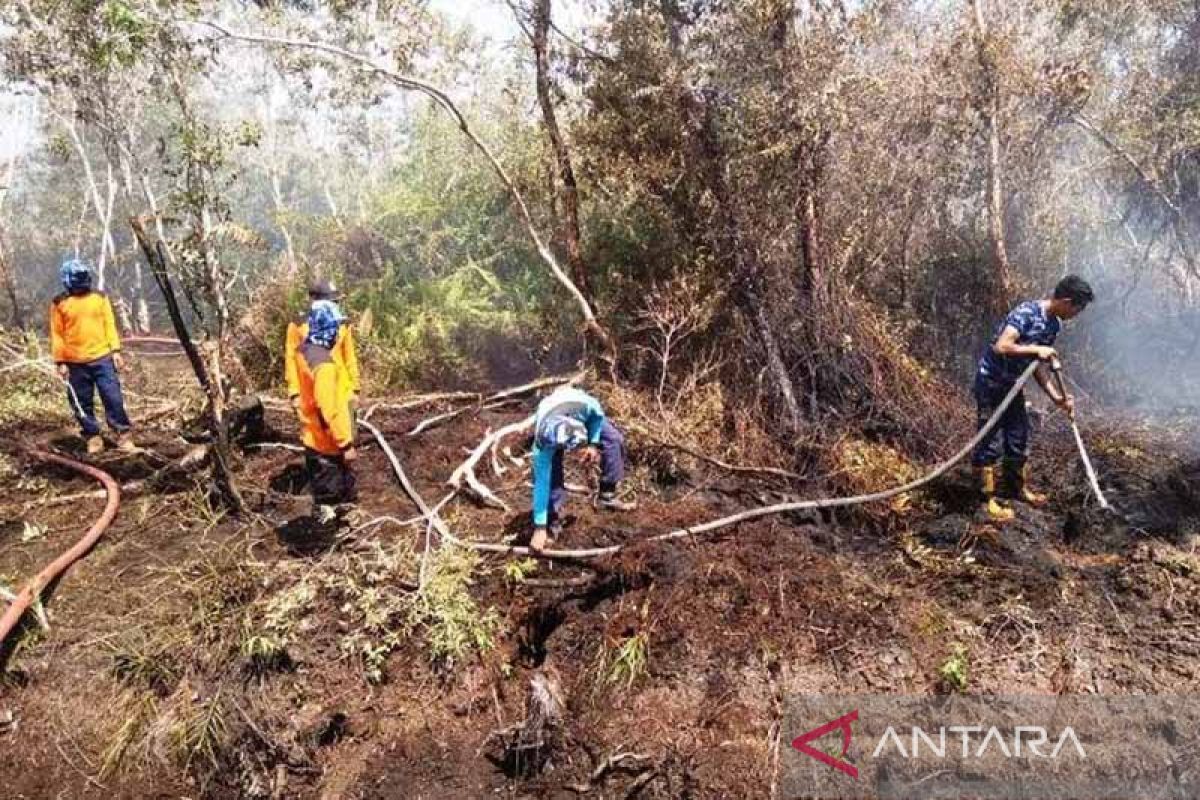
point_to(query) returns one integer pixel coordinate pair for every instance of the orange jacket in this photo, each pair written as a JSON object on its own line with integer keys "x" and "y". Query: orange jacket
{"x": 324, "y": 402}
{"x": 343, "y": 352}
{"x": 82, "y": 328}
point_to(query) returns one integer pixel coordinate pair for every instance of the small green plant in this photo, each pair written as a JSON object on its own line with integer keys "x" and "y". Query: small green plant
{"x": 372, "y": 605}
{"x": 200, "y": 732}
{"x": 138, "y": 709}
{"x": 33, "y": 396}
{"x": 517, "y": 571}
{"x": 267, "y": 633}
{"x": 444, "y": 610}
{"x": 629, "y": 663}
{"x": 954, "y": 670}
{"x": 139, "y": 663}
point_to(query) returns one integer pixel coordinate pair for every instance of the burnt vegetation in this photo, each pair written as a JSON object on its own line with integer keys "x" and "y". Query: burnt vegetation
{"x": 772, "y": 236}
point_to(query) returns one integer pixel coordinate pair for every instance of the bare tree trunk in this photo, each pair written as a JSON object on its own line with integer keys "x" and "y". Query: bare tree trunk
{"x": 568, "y": 190}
{"x": 156, "y": 257}
{"x": 1002, "y": 269}
{"x": 333, "y": 206}
{"x": 198, "y": 183}
{"x": 812, "y": 275}
{"x": 141, "y": 308}
{"x": 748, "y": 274}
{"x": 7, "y": 277}
{"x": 17, "y": 315}
{"x": 276, "y": 192}
{"x": 108, "y": 249}
{"x": 106, "y": 243}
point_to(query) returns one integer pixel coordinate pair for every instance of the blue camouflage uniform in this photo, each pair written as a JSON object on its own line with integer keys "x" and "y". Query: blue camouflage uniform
{"x": 995, "y": 377}
{"x": 566, "y": 419}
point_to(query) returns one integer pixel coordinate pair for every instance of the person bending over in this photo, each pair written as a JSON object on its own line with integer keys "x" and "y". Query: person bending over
{"x": 571, "y": 419}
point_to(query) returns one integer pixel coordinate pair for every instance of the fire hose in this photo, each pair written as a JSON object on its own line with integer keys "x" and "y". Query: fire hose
{"x": 33, "y": 589}
{"x": 803, "y": 505}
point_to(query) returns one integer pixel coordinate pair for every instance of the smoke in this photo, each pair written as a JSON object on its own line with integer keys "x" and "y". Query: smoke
{"x": 1139, "y": 343}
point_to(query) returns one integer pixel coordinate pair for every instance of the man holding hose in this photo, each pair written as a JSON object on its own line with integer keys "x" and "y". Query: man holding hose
{"x": 1027, "y": 334}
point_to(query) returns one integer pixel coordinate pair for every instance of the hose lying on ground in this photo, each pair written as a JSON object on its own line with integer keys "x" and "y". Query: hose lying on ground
{"x": 33, "y": 589}
{"x": 723, "y": 522}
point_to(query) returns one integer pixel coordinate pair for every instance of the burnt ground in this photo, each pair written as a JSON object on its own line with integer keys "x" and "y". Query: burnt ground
{"x": 149, "y": 683}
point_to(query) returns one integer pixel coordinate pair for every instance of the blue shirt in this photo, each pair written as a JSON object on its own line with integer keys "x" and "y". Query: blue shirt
{"x": 1033, "y": 326}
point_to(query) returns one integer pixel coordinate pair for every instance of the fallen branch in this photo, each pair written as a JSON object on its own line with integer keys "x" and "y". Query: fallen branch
{"x": 419, "y": 400}
{"x": 533, "y": 386}
{"x": 577, "y": 582}
{"x": 426, "y": 424}
{"x": 295, "y": 448}
{"x": 193, "y": 458}
{"x": 466, "y": 470}
{"x": 430, "y": 515}
{"x": 499, "y": 399}
{"x": 612, "y": 762}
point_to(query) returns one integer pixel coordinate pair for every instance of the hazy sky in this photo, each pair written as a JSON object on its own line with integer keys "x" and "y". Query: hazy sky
{"x": 492, "y": 19}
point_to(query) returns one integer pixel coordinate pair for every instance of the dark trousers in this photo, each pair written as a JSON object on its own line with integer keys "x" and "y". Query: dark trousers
{"x": 1010, "y": 436}
{"x": 548, "y": 480}
{"x": 86, "y": 379}
{"x": 330, "y": 478}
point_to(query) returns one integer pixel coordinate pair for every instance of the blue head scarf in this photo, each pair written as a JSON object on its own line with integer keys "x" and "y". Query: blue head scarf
{"x": 568, "y": 433}
{"x": 76, "y": 275}
{"x": 324, "y": 319}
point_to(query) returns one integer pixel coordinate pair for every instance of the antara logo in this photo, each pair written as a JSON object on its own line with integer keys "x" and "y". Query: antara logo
{"x": 843, "y": 722}
{"x": 1026, "y": 741}
{"x": 1035, "y": 738}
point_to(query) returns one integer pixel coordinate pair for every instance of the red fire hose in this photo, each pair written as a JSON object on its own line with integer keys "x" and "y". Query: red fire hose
{"x": 33, "y": 589}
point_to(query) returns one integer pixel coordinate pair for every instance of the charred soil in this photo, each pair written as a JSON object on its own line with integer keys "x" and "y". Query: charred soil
{"x": 194, "y": 653}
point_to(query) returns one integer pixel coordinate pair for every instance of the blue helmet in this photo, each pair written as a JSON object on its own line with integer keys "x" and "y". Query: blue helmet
{"x": 75, "y": 275}
{"x": 324, "y": 319}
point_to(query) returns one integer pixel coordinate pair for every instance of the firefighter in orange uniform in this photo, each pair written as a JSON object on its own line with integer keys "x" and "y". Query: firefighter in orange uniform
{"x": 323, "y": 405}
{"x": 87, "y": 350}
{"x": 343, "y": 350}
